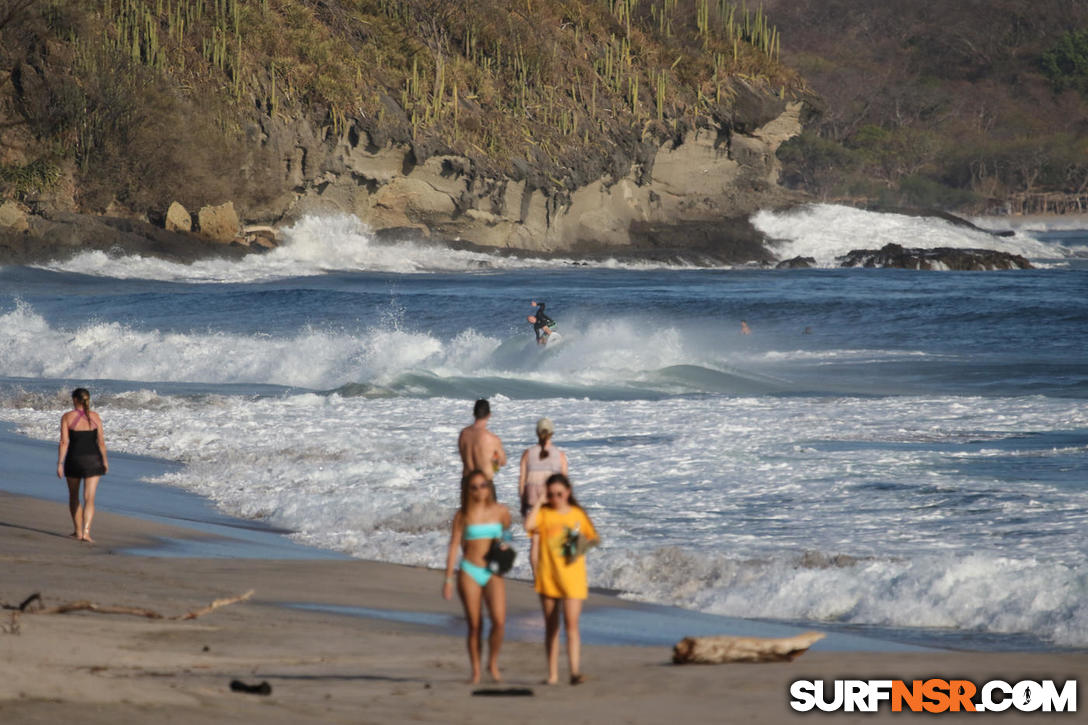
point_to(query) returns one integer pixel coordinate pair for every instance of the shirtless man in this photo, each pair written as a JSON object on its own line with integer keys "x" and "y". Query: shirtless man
{"x": 481, "y": 450}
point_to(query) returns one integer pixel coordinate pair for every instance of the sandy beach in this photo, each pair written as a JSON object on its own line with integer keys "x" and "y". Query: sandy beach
{"x": 329, "y": 667}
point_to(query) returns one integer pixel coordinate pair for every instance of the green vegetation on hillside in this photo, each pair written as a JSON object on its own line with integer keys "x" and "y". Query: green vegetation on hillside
{"x": 978, "y": 105}
{"x": 1066, "y": 64}
{"x": 152, "y": 98}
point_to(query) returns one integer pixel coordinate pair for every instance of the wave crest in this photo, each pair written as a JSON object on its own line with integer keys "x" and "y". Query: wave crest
{"x": 827, "y": 231}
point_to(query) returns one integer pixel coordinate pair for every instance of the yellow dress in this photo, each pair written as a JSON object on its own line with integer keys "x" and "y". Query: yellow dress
{"x": 555, "y": 576}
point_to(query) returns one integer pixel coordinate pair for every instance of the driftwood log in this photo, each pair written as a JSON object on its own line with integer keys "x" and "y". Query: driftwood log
{"x": 718, "y": 650}
{"x": 86, "y": 606}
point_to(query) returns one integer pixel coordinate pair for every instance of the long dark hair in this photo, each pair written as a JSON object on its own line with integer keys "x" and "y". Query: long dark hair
{"x": 466, "y": 480}
{"x": 82, "y": 397}
{"x": 560, "y": 478}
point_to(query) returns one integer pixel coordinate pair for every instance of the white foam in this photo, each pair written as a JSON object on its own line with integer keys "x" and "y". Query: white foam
{"x": 314, "y": 246}
{"x": 597, "y": 352}
{"x": 842, "y": 509}
{"x": 827, "y": 231}
{"x": 959, "y": 591}
{"x": 31, "y": 347}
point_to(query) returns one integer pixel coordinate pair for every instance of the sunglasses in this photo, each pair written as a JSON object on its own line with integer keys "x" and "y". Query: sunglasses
{"x": 559, "y": 493}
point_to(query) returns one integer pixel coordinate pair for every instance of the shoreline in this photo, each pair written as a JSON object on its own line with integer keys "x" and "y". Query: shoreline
{"x": 193, "y": 528}
{"x": 730, "y": 241}
{"x": 325, "y": 666}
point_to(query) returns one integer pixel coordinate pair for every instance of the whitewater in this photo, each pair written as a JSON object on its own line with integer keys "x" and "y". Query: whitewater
{"x": 888, "y": 450}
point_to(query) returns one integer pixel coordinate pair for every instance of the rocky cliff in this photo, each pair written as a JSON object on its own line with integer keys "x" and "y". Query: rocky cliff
{"x": 687, "y": 197}
{"x": 567, "y": 127}
{"x": 710, "y": 175}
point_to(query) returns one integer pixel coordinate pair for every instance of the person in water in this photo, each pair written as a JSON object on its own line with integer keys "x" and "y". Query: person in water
{"x": 537, "y": 464}
{"x": 480, "y": 449}
{"x": 542, "y": 324}
{"x": 82, "y": 458}
{"x": 480, "y": 520}
{"x": 565, "y": 534}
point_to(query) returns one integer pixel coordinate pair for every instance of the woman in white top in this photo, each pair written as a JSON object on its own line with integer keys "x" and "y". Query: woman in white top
{"x": 538, "y": 463}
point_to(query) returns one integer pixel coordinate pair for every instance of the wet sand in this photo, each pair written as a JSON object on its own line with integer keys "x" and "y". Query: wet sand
{"x": 329, "y": 667}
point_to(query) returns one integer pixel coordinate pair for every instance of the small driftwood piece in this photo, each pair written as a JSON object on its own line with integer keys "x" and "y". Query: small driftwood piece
{"x": 226, "y": 601}
{"x": 26, "y": 602}
{"x": 87, "y": 606}
{"x": 21, "y": 606}
{"x": 718, "y": 650}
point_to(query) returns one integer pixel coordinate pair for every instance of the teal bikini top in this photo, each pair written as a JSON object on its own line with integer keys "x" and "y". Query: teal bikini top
{"x": 484, "y": 531}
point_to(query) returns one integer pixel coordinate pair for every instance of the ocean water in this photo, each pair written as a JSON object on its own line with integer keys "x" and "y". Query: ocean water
{"x": 888, "y": 449}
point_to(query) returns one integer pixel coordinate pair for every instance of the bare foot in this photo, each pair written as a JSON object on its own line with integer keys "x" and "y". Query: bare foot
{"x": 74, "y": 535}
{"x": 87, "y": 538}
{"x": 551, "y": 681}
{"x": 475, "y": 679}
{"x": 577, "y": 679}
{"x": 495, "y": 674}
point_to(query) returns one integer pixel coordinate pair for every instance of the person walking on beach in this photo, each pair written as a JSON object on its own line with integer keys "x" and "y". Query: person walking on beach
{"x": 480, "y": 520}
{"x": 82, "y": 457}
{"x": 480, "y": 449}
{"x": 537, "y": 464}
{"x": 566, "y": 533}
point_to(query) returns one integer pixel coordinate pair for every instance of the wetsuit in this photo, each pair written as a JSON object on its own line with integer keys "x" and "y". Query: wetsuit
{"x": 542, "y": 320}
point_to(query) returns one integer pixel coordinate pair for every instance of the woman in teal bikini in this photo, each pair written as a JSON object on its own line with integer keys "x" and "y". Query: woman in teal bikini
{"x": 479, "y": 520}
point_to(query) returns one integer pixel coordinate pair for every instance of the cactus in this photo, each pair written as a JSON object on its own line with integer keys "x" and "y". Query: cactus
{"x": 661, "y": 87}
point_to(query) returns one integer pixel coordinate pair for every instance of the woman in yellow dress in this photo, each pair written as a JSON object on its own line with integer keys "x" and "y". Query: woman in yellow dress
{"x": 566, "y": 532}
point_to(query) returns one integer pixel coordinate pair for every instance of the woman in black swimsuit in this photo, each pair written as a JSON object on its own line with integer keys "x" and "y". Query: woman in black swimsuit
{"x": 82, "y": 457}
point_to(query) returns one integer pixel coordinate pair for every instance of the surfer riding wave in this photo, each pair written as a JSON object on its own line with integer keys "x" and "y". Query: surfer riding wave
{"x": 542, "y": 324}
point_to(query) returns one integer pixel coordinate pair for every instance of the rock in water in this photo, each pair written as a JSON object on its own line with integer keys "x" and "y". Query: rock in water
{"x": 940, "y": 258}
{"x": 797, "y": 263}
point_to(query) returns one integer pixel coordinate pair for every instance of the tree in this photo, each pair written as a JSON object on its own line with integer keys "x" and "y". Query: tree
{"x": 1066, "y": 64}
{"x": 815, "y": 163}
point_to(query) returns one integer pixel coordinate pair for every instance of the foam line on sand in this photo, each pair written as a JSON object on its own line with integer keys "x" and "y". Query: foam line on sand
{"x": 324, "y": 666}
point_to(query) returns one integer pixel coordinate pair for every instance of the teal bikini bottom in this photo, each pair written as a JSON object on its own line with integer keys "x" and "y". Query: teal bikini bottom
{"x": 479, "y": 574}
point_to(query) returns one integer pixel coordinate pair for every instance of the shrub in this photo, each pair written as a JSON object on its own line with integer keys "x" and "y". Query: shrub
{"x": 1066, "y": 64}
{"x": 922, "y": 191}
{"x": 815, "y": 163}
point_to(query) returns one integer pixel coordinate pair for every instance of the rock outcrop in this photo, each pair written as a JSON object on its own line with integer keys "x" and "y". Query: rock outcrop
{"x": 219, "y": 223}
{"x": 796, "y": 263}
{"x": 941, "y": 258}
{"x": 178, "y": 219}
{"x": 59, "y": 234}
{"x": 649, "y": 192}
{"x": 13, "y": 218}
